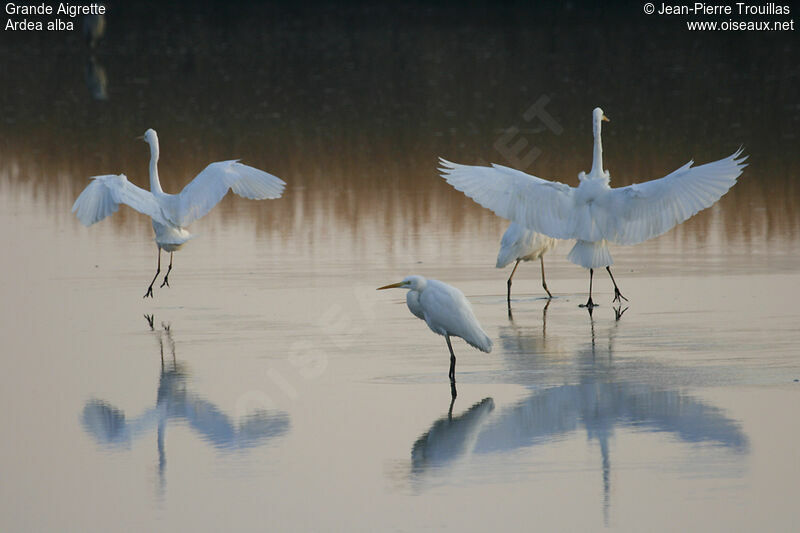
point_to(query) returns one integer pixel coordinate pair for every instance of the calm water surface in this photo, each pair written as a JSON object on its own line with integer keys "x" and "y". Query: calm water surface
{"x": 272, "y": 387}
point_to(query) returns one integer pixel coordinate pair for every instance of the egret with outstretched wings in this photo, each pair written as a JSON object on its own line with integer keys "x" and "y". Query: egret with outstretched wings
{"x": 172, "y": 213}
{"x": 593, "y": 213}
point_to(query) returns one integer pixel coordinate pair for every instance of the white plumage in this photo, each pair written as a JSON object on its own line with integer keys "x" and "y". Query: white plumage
{"x": 171, "y": 213}
{"x": 446, "y": 311}
{"x": 594, "y": 213}
{"x": 521, "y": 244}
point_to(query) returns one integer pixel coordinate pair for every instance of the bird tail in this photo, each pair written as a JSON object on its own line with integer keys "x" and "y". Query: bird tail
{"x": 481, "y": 342}
{"x": 591, "y": 254}
{"x": 504, "y": 257}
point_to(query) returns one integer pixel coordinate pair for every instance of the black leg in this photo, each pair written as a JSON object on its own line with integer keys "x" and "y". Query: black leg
{"x": 544, "y": 283}
{"x": 544, "y": 319}
{"x": 590, "y": 304}
{"x": 166, "y": 276}
{"x": 158, "y": 270}
{"x": 508, "y": 297}
{"x": 617, "y": 294}
{"x": 452, "y": 361}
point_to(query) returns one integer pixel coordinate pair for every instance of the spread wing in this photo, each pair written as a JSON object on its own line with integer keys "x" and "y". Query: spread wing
{"x": 642, "y": 211}
{"x": 103, "y": 196}
{"x": 213, "y": 183}
{"x": 543, "y": 206}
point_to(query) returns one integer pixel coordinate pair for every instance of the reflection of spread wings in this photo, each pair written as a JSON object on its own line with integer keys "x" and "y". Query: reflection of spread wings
{"x": 109, "y": 426}
{"x": 600, "y": 407}
{"x": 216, "y": 428}
{"x": 173, "y": 401}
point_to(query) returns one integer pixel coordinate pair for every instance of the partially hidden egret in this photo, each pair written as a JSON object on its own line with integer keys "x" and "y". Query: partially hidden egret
{"x": 172, "y": 213}
{"x": 594, "y": 213}
{"x": 521, "y": 244}
{"x": 446, "y": 311}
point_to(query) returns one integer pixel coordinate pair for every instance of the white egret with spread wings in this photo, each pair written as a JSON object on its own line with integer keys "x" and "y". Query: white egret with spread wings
{"x": 172, "y": 213}
{"x": 593, "y": 213}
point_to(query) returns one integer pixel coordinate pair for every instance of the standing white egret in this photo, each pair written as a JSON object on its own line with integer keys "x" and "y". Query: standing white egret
{"x": 446, "y": 311}
{"x": 172, "y": 213}
{"x": 594, "y": 213}
{"x": 520, "y": 244}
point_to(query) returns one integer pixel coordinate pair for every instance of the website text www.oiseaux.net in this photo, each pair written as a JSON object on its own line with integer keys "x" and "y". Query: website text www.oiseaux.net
{"x": 739, "y": 25}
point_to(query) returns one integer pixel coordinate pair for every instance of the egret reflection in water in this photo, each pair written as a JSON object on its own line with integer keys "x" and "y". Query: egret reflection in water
{"x": 96, "y": 79}
{"x": 600, "y": 403}
{"x": 177, "y": 404}
{"x": 449, "y": 437}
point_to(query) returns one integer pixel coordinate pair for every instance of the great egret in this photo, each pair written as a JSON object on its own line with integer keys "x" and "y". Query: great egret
{"x": 520, "y": 244}
{"x": 446, "y": 311}
{"x": 594, "y": 213}
{"x": 172, "y": 213}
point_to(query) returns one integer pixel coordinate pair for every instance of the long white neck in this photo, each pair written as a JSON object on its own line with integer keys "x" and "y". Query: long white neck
{"x": 597, "y": 156}
{"x": 155, "y": 184}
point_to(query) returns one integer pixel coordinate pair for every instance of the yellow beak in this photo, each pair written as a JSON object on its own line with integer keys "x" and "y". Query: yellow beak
{"x": 392, "y": 286}
{"x": 605, "y": 119}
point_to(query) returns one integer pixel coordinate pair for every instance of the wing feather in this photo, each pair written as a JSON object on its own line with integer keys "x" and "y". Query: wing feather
{"x": 543, "y": 206}
{"x": 213, "y": 183}
{"x": 638, "y": 212}
{"x": 103, "y": 196}
{"x": 447, "y": 310}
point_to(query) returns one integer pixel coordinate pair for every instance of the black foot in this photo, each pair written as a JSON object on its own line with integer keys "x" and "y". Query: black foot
{"x": 549, "y": 296}
{"x": 618, "y": 295}
{"x": 149, "y": 292}
{"x": 618, "y": 312}
{"x": 149, "y": 319}
{"x": 166, "y": 281}
{"x": 589, "y": 304}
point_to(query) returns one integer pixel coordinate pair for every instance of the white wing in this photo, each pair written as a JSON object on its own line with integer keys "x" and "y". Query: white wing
{"x": 447, "y": 310}
{"x": 543, "y": 206}
{"x": 214, "y": 182}
{"x": 633, "y": 214}
{"x": 513, "y": 245}
{"x": 104, "y": 194}
{"x": 521, "y": 243}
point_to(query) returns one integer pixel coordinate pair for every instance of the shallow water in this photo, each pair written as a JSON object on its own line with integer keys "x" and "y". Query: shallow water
{"x": 276, "y": 388}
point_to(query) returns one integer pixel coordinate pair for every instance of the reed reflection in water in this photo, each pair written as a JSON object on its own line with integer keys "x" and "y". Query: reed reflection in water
{"x": 358, "y": 131}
